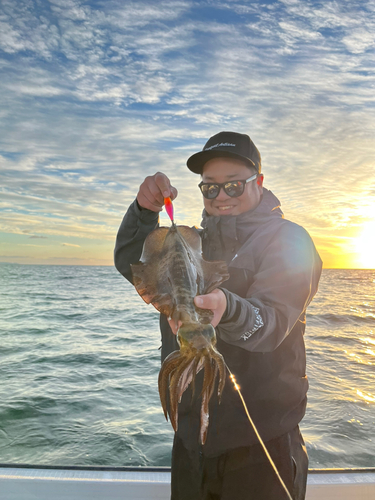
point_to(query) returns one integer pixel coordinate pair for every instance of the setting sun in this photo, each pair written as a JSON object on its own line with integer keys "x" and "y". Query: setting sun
{"x": 365, "y": 246}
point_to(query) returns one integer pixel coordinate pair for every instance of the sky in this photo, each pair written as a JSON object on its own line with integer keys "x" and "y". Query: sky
{"x": 97, "y": 95}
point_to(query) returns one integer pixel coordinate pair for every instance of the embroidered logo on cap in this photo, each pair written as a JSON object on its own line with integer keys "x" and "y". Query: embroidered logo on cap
{"x": 226, "y": 144}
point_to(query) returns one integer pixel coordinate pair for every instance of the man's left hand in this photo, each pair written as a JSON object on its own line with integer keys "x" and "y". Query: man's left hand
{"x": 216, "y": 301}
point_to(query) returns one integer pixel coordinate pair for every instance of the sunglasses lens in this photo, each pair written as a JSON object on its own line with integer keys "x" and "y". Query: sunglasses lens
{"x": 234, "y": 189}
{"x": 210, "y": 191}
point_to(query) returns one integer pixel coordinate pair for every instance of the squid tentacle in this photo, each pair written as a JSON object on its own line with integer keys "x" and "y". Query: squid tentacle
{"x": 207, "y": 383}
{"x": 179, "y": 370}
{"x": 195, "y": 369}
{"x": 174, "y": 389}
{"x": 207, "y": 371}
{"x": 169, "y": 365}
{"x": 221, "y": 366}
{"x": 211, "y": 386}
{"x": 185, "y": 379}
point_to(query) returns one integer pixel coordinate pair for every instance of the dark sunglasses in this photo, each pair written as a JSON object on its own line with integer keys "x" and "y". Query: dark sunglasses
{"x": 233, "y": 189}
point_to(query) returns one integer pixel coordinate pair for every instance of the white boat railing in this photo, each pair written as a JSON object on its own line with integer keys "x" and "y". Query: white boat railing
{"x": 28, "y": 482}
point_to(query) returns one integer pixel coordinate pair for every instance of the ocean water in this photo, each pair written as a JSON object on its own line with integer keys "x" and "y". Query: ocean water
{"x": 79, "y": 360}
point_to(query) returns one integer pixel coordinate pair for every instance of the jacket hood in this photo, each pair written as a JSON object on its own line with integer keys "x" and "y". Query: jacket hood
{"x": 224, "y": 235}
{"x": 269, "y": 205}
{"x": 240, "y": 227}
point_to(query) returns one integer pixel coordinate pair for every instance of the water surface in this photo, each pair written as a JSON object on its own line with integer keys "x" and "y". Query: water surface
{"x": 79, "y": 360}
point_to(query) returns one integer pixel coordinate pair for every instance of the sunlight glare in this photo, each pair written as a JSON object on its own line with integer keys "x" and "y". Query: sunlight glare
{"x": 367, "y": 397}
{"x": 365, "y": 245}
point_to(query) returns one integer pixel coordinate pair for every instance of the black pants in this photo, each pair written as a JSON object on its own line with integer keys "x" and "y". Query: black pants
{"x": 243, "y": 473}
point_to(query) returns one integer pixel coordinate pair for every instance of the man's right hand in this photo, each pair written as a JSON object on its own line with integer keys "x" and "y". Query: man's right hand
{"x": 153, "y": 190}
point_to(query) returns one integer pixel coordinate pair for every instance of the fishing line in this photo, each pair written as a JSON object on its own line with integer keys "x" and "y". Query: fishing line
{"x": 237, "y": 387}
{"x": 169, "y": 208}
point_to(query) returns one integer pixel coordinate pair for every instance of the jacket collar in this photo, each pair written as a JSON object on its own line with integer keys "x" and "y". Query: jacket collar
{"x": 240, "y": 227}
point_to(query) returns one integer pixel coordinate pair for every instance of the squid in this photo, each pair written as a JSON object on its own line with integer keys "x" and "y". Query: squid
{"x": 170, "y": 273}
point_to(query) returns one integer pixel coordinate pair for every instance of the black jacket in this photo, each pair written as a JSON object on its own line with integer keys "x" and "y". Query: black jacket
{"x": 274, "y": 272}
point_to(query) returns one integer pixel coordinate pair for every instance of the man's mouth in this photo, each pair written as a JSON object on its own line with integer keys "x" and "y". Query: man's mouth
{"x": 226, "y": 207}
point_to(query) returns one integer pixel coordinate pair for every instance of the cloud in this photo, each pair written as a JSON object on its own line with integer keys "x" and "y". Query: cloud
{"x": 359, "y": 41}
{"x": 70, "y": 245}
{"x": 29, "y": 245}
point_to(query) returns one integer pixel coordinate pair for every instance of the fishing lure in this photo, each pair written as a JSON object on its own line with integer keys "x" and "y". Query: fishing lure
{"x": 169, "y": 207}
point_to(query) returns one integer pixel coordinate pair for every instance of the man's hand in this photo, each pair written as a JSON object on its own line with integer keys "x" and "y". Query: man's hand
{"x": 173, "y": 325}
{"x": 216, "y": 301}
{"x": 153, "y": 190}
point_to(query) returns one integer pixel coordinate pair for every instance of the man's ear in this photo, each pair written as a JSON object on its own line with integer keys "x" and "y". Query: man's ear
{"x": 260, "y": 179}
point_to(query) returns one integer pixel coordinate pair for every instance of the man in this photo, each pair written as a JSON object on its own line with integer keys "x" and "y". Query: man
{"x": 259, "y": 315}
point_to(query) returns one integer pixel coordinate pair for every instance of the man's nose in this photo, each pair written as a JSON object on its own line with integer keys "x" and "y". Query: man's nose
{"x": 222, "y": 194}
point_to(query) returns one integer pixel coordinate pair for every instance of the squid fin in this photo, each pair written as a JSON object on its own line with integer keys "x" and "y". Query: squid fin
{"x": 215, "y": 273}
{"x": 152, "y": 291}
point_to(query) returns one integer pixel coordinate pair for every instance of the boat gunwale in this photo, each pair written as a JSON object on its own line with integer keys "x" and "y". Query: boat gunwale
{"x": 141, "y": 468}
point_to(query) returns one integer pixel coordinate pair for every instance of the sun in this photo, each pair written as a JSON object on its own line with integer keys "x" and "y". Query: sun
{"x": 365, "y": 246}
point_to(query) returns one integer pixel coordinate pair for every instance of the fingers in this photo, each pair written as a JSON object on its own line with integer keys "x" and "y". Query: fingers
{"x": 215, "y": 301}
{"x": 209, "y": 301}
{"x": 153, "y": 190}
{"x": 149, "y": 197}
{"x": 173, "y": 325}
{"x": 164, "y": 186}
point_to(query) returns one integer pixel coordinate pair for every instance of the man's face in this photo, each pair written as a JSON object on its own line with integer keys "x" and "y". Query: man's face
{"x": 230, "y": 169}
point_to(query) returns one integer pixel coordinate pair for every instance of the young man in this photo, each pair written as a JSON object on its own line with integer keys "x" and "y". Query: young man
{"x": 259, "y": 315}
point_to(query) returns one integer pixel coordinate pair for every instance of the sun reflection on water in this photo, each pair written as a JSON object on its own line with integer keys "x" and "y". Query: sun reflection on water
{"x": 367, "y": 397}
{"x": 368, "y": 341}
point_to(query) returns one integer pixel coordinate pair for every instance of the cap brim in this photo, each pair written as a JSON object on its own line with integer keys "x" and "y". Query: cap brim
{"x": 196, "y": 162}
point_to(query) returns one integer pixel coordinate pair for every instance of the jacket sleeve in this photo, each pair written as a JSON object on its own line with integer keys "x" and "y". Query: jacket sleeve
{"x": 136, "y": 225}
{"x": 285, "y": 281}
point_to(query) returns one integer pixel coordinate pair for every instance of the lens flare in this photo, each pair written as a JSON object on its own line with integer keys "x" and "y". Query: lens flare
{"x": 365, "y": 246}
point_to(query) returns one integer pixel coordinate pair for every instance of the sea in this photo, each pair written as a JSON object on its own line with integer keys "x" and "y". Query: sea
{"x": 79, "y": 361}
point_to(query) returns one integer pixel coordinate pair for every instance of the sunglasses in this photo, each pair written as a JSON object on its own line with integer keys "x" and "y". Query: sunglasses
{"x": 233, "y": 189}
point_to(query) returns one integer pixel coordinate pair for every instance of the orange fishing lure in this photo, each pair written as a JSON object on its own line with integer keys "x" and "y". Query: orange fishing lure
{"x": 169, "y": 207}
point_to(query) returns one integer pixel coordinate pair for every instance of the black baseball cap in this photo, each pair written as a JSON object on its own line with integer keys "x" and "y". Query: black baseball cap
{"x": 228, "y": 144}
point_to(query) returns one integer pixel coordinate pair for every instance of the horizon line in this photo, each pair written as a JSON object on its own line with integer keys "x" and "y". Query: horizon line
{"x": 112, "y": 265}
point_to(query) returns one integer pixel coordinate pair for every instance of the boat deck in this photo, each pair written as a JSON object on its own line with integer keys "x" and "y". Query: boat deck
{"x": 105, "y": 483}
